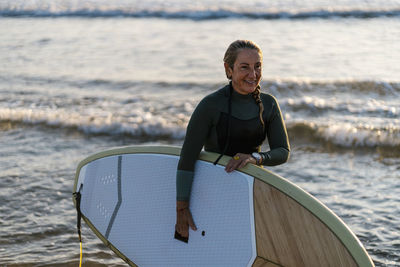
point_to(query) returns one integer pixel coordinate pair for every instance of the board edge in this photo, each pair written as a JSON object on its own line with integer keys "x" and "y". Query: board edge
{"x": 312, "y": 204}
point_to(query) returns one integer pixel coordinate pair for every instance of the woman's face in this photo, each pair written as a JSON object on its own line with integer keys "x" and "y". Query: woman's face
{"x": 246, "y": 72}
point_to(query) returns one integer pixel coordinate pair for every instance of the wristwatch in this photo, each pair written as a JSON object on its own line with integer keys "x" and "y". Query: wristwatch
{"x": 257, "y": 157}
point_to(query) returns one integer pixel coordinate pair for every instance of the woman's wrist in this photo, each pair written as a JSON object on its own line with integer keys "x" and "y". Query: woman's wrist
{"x": 258, "y": 158}
{"x": 182, "y": 205}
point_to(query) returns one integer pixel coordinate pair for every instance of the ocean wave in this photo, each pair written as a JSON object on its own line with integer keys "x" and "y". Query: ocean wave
{"x": 199, "y": 14}
{"x": 347, "y": 135}
{"x": 143, "y": 125}
{"x": 295, "y": 87}
{"x": 147, "y": 125}
{"x": 120, "y": 85}
{"x": 278, "y": 87}
{"x": 317, "y": 106}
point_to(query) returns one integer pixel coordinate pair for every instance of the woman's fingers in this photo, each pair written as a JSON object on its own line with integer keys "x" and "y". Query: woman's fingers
{"x": 233, "y": 163}
{"x": 182, "y": 229}
{"x": 239, "y": 161}
{"x": 190, "y": 221}
{"x": 244, "y": 163}
{"x": 184, "y": 220}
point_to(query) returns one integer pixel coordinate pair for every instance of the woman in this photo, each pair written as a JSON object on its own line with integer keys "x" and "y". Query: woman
{"x": 234, "y": 121}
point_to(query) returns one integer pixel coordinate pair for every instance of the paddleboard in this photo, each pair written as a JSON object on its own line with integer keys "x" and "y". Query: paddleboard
{"x": 250, "y": 217}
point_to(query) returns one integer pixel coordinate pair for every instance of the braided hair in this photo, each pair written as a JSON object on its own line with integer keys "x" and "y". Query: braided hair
{"x": 230, "y": 58}
{"x": 256, "y": 95}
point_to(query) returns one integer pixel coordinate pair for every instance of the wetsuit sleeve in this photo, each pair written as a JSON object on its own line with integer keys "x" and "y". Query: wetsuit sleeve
{"x": 277, "y": 138}
{"x": 196, "y": 134}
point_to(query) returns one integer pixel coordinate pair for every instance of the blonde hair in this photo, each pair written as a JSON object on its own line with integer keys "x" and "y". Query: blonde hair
{"x": 230, "y": 58}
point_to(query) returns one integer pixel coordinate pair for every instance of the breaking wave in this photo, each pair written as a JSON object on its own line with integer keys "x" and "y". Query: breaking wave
{"x": 143, "y": 126}
{"x": 347, "y": 135}
{"x": 146, "y": 125}
{"x": 196, "y": 14}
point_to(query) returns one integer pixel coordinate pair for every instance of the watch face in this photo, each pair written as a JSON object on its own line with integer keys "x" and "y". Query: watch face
{"x": 257, "y": 156}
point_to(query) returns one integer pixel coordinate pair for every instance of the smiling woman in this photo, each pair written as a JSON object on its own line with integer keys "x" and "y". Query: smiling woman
{"x": 245, "y": 72}
{"x": 233, "y": 121}
{"x": 88, "y": 79}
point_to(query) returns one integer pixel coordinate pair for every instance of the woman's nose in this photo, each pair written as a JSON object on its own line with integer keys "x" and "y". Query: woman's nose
{"x": 252, "y": 73}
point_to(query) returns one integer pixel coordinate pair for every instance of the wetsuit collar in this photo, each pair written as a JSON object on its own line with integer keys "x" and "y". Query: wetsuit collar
{"x": 235, "y": 95}
{"x": 240, "y": 97}
{"x": 229, "y": 90}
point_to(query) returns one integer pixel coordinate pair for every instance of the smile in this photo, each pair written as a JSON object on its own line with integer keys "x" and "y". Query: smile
{"x": 251, "y": 82}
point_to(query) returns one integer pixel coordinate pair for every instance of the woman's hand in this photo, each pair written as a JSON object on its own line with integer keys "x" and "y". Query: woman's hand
{"x": 239, "y": 161}
{"x": 184, "y": 219}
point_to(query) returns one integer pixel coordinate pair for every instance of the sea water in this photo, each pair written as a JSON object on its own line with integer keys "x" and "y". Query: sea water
{"x": 78, "y": 77}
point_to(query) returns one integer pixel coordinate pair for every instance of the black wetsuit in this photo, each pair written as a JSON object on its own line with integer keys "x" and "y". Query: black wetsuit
{"x": 208, "y": 127}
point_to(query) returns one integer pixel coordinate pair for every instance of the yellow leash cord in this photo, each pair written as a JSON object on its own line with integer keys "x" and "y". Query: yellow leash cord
{"x": 77, "y": 196}
{"x": 80, "y": 257}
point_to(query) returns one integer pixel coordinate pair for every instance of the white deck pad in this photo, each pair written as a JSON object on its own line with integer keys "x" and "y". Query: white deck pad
{"x": 131, "y": 201}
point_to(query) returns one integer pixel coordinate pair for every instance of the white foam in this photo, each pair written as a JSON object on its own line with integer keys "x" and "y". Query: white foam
{"x": 350, "y": 134}
{"x": 97, "y": 122}
{"x": 205, "y": 9}
{"x": 361, "y": 106}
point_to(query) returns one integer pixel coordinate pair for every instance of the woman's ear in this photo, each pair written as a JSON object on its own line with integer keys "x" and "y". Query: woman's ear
{"x": 228, "y": 70}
